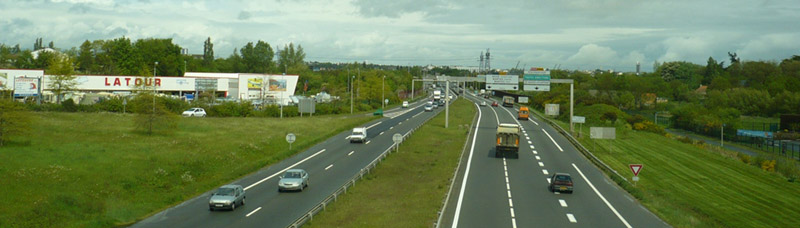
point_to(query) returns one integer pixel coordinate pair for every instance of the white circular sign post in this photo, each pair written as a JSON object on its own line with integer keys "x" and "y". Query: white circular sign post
{"x": 290, "y": 139}
{"x": 397, "y": 138}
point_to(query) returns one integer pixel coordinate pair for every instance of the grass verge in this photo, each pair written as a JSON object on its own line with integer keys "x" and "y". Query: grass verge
{"x": 91, "y": 170}
{"x": 406, "y": 189}
{"x": 696, "y": 186}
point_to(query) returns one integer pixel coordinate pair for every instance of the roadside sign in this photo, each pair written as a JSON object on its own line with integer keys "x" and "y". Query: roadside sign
{"x": 578, "y": 119}
{"x": 523, "y": 100}
{"x": 635, "y": 168}
{"x": 290, "y": 139}
{"x": 502, "y": 82}
{"x": 397, "y": 138}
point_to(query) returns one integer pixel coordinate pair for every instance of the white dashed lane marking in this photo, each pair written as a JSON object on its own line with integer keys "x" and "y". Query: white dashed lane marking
{"x": 541, "y": 164}
{"x": 571, "y": 218}
{"x": 545, "y": 172}
{"x": 562, "y": 202}
{"x": 254, "y": 211}
{"x": 351, "y": 153}
{"x": 326, "y": 168}
{"x": 538, "y": 158}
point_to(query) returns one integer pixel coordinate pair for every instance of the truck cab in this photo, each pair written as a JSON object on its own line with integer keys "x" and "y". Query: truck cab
{"x": 359, "y": 135}
{"x": 507, "y": 141}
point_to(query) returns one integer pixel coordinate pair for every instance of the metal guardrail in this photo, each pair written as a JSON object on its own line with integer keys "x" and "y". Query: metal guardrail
{"x": 309, "y": 215}
{"x": 580, "y": 147}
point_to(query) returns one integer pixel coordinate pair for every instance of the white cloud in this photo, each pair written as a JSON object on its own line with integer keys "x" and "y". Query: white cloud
{"x": 692, "y": 49}
{"x": 780, "y": 45}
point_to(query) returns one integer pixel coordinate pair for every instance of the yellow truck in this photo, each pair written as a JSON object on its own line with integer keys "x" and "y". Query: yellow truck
{"x": 507, "y": 141}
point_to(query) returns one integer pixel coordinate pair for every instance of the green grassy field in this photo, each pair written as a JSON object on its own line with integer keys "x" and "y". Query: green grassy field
{"x": 407, "y": 189}
{"x": 91, "y": 170}
{"x": 691, "y": 186}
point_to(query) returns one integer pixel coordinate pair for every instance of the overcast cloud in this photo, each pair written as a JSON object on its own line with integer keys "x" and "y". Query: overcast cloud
{"x": 577, "y": 34}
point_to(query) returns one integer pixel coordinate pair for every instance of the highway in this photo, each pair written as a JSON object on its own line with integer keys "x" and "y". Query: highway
{"x": 330, "y": 165}
{"x": 497, "y": 192}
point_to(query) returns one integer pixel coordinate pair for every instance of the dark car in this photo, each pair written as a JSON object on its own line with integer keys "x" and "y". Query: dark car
{"x": 227, "y": 197}
{"x": 561, "y": 182}
{"x": 494, "y": 103}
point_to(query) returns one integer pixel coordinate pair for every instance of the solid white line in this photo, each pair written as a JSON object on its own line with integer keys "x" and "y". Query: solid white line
{"x": 551, "y": 139}
{"x": 381, "y": 133}
{"x": 466, "y": 172}
{"x": 537, "y": 124}
{"x": 601, "y": 197}
{"x": 545, "y": 172}
{"x": 541, "y": 164}
{"x": 495, "y": 116}
{"x": 254, "y": 211}
{"x": 284, "y": 170}
{"x": 368, "y": 142}
{"x": 374, "y": 124}
{"x": 351, "y": 153}
{"x": 562, "y": 202}
{"x": 326, "y": 168}
{"x": 571, "y": 218}
{"x": 538, "y": 158}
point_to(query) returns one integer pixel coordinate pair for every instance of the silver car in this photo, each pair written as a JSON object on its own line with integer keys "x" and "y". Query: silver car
{"x": 293, "y": 179}
{"x": 227, "y": 197}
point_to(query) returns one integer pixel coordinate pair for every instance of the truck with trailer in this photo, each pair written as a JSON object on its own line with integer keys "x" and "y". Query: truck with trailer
{"x": 507, "y": 141}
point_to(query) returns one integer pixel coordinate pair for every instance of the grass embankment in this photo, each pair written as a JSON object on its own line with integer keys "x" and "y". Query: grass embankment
{"x": 406, "y": 189}
{"x": 91, "y": 170}
{"x": 695, "y": 186}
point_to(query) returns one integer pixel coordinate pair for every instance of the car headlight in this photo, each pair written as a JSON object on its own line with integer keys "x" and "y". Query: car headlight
{"x": 210, "y": 202}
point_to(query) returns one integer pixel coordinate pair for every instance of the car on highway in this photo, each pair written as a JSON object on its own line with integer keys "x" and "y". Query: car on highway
{"x": 196, "y": 112}
{"x": 405, "y": 104}
{"x": 359, "y": 134}
{"x": 435, "y": 104}
{"x": 483, "y": 103}
{"x": 428, "y": 107}
{"x": 494, "y": 103}
{"x": 293, "y": 179}
{"x": 227, "y": 197}
{"x": 561, "y": 182}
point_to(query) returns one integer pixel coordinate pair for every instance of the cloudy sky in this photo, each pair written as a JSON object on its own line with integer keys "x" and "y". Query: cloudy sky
{"x": 577, "y": 34}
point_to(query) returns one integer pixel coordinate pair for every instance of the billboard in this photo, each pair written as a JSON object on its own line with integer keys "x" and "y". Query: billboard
{"x": 205, "y": 84}
{"x": 26, "y": 87}
{"x": 254, "y": 83}
{"x": 551, "y": 109}
{"x": 3, "y": 80}
{"x": 278, "y": 85}
{"x": 603, "y": 132}
{"x": 537, "y": 79}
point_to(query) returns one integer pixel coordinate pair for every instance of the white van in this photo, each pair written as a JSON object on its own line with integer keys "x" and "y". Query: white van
{"x": 359, "y": 135}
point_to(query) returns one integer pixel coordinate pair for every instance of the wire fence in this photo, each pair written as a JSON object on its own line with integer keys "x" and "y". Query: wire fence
{"x": 785, "y": 148}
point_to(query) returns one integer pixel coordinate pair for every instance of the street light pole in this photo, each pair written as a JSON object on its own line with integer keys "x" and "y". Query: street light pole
{"x": 383, "y": 93}
{"x": 351, "y": 93}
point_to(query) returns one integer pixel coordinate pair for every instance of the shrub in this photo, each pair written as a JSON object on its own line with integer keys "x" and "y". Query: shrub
{"x": 745, "y": 158}
{"x": 13, "y": 120}
{"x": 69, "y": 105}
{"x": 768, "y": 165}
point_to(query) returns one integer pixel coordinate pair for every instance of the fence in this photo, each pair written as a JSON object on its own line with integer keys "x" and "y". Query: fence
{"x": 785, "y": 148}
{"x": 309, "y": 215}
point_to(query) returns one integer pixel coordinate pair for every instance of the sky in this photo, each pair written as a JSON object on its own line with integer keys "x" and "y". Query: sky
{"x": 570, "y": 34}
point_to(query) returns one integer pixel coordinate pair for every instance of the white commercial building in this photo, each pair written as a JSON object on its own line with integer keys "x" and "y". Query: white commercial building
{"x": 235, "y": 86}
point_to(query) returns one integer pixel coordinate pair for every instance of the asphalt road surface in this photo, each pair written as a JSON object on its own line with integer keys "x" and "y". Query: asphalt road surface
{"x": 497, "y": 192}
{"x": 330, "y": 165}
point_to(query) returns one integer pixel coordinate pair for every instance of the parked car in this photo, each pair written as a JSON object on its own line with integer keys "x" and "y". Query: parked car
{"x": 197, "y": 112}
{"x": 494, "y": 103}
{"x": 405, "y": 104}
{"x": 293, "y": 179}
{"x": 227, "y": 197}
{"x": 561, "y": 182}
{"x": 428, "y": 107}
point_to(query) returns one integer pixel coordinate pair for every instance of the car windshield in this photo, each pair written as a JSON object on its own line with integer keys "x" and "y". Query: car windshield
{"x": 563, "y": 178}
{"x": 224, "y": 192}
{"x": 292, "y": 175}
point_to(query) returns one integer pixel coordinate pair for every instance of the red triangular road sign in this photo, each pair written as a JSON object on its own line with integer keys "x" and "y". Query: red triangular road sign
{"x": 635, "y": 168}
